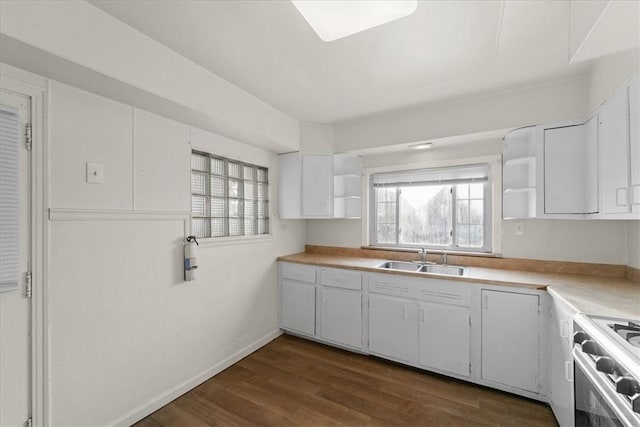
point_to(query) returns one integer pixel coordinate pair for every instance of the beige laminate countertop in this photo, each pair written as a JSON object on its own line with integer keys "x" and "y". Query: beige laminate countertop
{"x": 606, "y": 296}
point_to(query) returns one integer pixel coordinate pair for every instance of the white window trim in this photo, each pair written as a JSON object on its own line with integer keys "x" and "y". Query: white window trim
{"x": 495, "y": 194}
{"x": 207, "y": 242}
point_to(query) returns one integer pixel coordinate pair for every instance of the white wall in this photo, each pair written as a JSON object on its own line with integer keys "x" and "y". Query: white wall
{"x": 633, "y": 243}
{"x": 126, "y": 333}
{"x": 86, "y": 46}
{"x": 317, "y": 138}
{"x": 510, "y": 109}
{"x": 566, "y": 240}
{"x": 607, "y": 74}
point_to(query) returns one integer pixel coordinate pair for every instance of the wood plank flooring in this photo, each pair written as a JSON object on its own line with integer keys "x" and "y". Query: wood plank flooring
{"x": 295, "y": 382}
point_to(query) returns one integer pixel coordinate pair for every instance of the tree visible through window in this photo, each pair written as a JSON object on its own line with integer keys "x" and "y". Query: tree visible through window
{"x": 445, "y": 209}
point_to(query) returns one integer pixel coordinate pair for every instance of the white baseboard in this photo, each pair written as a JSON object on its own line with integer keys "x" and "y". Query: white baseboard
{"x": 162, "y": 399}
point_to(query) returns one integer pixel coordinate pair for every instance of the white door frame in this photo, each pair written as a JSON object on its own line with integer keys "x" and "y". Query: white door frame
{"x": 28, "y": 84}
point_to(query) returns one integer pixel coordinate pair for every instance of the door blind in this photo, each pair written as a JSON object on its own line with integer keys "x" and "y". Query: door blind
{"x": 9, "y": 199}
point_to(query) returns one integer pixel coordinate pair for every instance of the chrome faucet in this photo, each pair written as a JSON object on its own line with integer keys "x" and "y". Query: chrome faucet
{"x": 423, "y": 255}
{"x": 444, "y": 257}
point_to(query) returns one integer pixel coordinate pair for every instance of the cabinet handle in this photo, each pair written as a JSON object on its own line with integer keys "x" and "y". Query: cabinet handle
{"x": 485, "y": 302}
{"x": 310, "y": 295}
{"x": 568, "y": 370}
{"x": 621, "y": 196}
{"x": 564, "y": 329}
{"x": 404, "y": 311}
{"x": 422, "y": 315}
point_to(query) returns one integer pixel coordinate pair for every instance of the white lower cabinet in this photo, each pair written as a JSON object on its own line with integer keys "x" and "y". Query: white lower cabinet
{"x": 444, "y": 337}
{"x": 298, "y": 307}
{"x": 341, "y": 316}
{"x": 561, "y": 395}
{"x": 485, "y": 334}
{"x": 392, "y": 327}
{"x": 511, "y": 339}
{"x": 298, "y": 298}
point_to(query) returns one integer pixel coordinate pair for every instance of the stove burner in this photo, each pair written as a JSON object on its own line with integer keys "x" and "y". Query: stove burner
{"x": 629, "y": 332}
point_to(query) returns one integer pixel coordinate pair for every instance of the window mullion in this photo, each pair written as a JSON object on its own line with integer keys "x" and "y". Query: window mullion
{"x": 397, "y": 216}
{"x": 454, "y": 216}
{"x": 226, "y": 225}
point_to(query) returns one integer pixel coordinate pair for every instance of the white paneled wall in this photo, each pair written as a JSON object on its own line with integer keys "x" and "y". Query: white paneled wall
{"x": 87, "y": 128}
{"x": 127, "y": 335}
{"x": 161, "y": 151}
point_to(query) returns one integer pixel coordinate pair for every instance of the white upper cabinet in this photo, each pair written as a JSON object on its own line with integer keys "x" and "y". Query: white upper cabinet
{"x": 519, "y": 155}
{"x": 570, "y": 163}
{"x": 614, "y": 154}
{"x": 579, "y": 169}
{"x": 550, "y": 171}
{"x": 320, "y": 185}
{"x": 317, "y": 186}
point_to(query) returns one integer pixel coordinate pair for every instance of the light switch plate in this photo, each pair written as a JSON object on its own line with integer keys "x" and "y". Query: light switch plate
{"x": 518, "y": 228}
{"x": 95, "y": 173}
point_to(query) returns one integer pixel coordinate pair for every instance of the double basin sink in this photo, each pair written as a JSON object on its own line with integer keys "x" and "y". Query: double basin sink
{"x": 449, "y": 270}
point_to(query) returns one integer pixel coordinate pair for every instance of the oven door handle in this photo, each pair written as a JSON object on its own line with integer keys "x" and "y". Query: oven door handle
{"x": 614, "y": 401}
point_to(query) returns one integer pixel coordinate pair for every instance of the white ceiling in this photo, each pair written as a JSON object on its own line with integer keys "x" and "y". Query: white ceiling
{"x": 445, "y": 49}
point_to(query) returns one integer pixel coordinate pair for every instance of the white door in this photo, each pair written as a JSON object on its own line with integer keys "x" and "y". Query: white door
{"x": 298, "y": 307}
{"x": 511, "y": 339}
{"x": 391, "y": 327}
{"x": 341, "y": 316}
{"x": 613, "y": 150}
{"x": 444, "y": 338}
{"x": 15, "y": 307}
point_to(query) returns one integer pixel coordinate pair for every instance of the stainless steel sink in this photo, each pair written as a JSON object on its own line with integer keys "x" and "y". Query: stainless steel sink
{"x": 450, "y": 270}
{"x": 400, "y": 265}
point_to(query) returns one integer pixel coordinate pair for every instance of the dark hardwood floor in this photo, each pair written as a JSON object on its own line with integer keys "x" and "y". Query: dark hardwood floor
{"x": 292, "y": 381}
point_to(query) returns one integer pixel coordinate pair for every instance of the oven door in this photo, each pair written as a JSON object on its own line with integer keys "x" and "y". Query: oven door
{"x": 597, "y": 404}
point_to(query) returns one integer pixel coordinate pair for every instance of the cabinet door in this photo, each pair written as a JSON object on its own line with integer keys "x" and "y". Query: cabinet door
{"x": 613, "y": 152}
{"x": 561, "y": 379}
{"x": 444, "y": 333}
{"x": 298, "y": 307}
{"x": 564, "y": 164}
{"x": 341, "y": 316}
{"x": 634, "y": 142}
{"x": 510, "y": 339}
{"x": 317, "y": 185}
{"x": 392, "y": 331}
{"x": 570, "y": 169}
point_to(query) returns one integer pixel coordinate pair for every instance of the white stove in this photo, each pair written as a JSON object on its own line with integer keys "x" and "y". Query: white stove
{"x": 607, "y": 371}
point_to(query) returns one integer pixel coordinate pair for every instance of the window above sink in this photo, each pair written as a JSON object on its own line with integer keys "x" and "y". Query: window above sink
{"x": 438, "y": 208}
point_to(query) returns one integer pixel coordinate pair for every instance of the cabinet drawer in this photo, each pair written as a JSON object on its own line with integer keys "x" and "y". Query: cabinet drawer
{"x": 445, "y": 292}
{"x": 301, "y": 273}
{"x": 346, "y": 279}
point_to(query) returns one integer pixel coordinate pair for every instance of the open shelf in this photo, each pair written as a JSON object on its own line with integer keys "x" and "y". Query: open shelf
{"x": 347, "y": 186}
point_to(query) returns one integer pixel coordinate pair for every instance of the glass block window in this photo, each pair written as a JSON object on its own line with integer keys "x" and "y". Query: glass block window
{"x": 228, "y": 197}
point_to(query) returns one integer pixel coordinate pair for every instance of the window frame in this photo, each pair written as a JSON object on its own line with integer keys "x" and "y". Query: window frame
{"x": 227, "y": 237}
{"x": 488, "y": 211}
